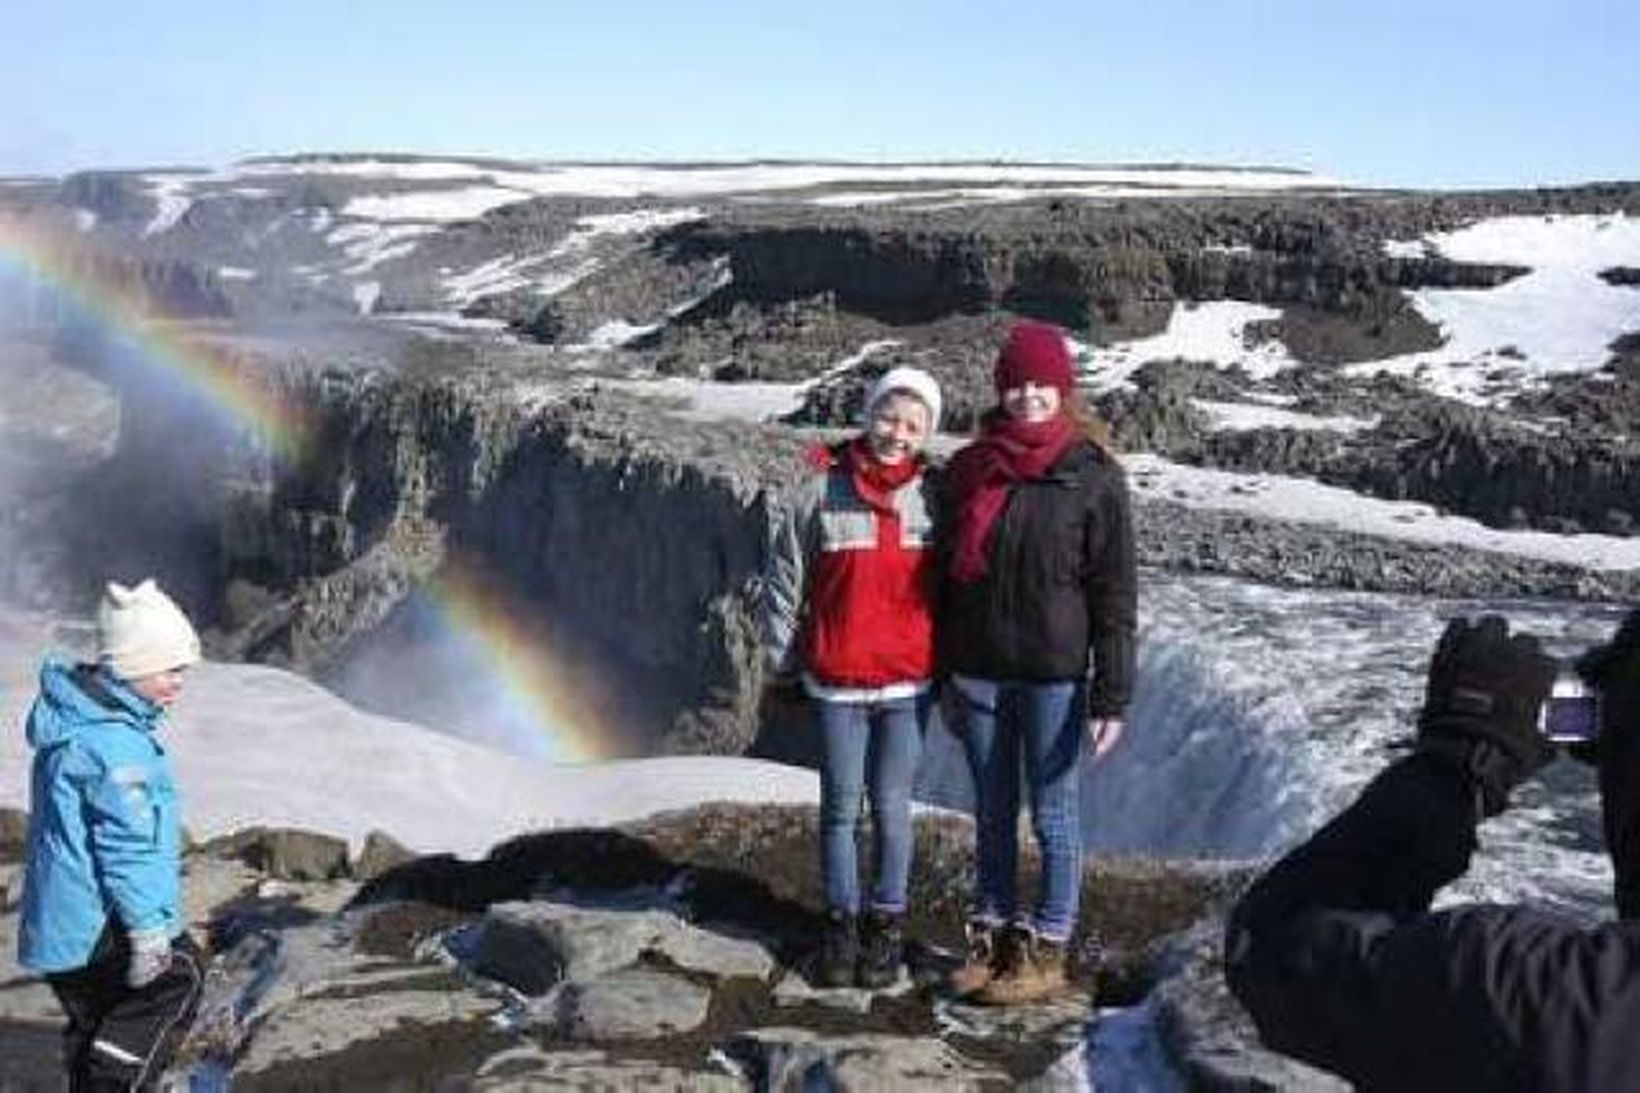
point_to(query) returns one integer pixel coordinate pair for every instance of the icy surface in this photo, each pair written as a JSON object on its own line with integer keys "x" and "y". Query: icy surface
{"x": 257, "y": 745}
{"x": 658, "y": 180}
{"x": 1559, "y": 317}
{"x": 1213, "y": 331}
{"x": 170, "y": 193}
{"x": 365, "y": 296}
{"x": 1306, "y": 500}
{"x": 1260, "y": 712}
{"x": 1234, "y": 416}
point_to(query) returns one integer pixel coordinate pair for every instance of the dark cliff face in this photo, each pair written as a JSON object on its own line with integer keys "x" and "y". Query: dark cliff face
{"x": 1114, "y": 269}
{"x": 636, "y": 541}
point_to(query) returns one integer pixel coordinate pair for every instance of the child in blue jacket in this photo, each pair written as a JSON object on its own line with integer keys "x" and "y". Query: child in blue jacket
{"x": 102, "y": 913}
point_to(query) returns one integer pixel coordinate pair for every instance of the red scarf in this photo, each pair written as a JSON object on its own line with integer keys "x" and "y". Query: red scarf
{"x": 874, "y": 480}
{"x": 1007, "y": 452}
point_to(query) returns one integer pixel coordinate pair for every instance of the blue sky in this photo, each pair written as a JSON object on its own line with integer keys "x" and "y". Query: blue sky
{"x": 1432, "y": 94}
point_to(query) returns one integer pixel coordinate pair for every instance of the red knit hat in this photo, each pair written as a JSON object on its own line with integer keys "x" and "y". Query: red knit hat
{"x": 1036, "y": 352}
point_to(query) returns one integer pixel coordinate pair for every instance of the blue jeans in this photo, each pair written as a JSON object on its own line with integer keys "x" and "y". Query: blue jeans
{"x": 879, "y": 743}
{"x": 1001, "y": 722}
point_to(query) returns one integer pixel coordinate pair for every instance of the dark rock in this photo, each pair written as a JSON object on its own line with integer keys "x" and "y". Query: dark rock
{"x": 628, "y": 1004}
{"x": 1621, "y": 275}
{"x": 13, "y": 834}
{"x": 284, "y": 853}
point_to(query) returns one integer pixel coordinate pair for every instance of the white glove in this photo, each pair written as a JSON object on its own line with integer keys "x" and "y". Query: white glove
{"x": 150, "y": 956}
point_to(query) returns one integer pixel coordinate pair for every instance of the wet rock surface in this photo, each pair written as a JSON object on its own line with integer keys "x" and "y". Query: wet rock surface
{"x": 663, "y": 952}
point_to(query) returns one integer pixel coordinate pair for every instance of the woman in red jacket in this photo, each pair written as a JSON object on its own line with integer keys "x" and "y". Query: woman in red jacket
{"x": 847, "y": 606}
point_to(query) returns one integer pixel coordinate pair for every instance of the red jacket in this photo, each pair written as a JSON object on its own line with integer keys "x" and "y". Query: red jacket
{"x": 849, "y": 588}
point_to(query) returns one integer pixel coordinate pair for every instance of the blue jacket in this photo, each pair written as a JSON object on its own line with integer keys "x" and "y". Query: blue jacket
{"x": 103, "y": 837}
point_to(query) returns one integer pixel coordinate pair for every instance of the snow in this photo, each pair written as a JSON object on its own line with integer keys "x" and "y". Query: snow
{"x": 1214, "y": 331}
{"x": 1559, "y": 317}
{"x": 448, "y": 320}
{"x": 614, "y": 334}
{"x": 503, "y": 273}
{"x": 709, "y": 401}
{"x": 1240, "y": 416}
{"x": 258, "y": 745}
{"x": 235, "y": 273}
{"x": 492, "y": 186}
{"x": 638, "y": 220}
{"x": 365, "y": 296}
{"x": 615, "y": 180}
{"x": 1406, "y": 248}
{"x": 84, "y": 220}
{"x": 368, "y": 244}
{"x": 433, "y": 205}
{"x": 563, "y": 265}
{"x": 1308, "y": 501}
{"x": 170, "y": 193}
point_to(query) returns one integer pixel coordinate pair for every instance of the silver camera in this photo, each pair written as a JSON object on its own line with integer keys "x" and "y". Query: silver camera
{"x": 1571, "y": 713}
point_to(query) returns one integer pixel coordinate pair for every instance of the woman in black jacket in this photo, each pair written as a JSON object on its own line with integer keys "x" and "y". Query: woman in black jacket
{"x": 1036, "y": 630}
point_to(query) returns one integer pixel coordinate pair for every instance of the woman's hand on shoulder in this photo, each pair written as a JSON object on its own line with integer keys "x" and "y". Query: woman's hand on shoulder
{"x": 1103, "y": 733}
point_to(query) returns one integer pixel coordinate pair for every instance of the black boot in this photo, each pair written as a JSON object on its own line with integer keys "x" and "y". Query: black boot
{"x": 881, "y": 942}
{"x": 839, "y": 948}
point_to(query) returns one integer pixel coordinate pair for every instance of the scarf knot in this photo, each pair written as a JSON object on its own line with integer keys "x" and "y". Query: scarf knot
{"x": 1008, "y": 452}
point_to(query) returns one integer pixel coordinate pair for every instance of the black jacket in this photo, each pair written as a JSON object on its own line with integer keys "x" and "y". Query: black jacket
{"x": 1338, "y": 958}
{"x": 1059, "y": 582}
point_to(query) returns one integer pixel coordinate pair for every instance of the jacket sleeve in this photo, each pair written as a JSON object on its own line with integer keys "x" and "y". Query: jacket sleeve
{"x": 790, "y": 544}
{"x": 1112, "y": 590}
{"x": 1337, "y": 957}
{"x": 122, "y": 823}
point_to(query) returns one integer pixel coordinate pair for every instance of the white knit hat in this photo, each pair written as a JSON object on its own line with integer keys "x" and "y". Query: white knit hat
{"x": 912, "y": 381}
{"x": 141, "y": 631}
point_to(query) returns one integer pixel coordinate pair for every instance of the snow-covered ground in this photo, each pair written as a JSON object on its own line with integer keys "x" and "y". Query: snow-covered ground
{"x": 258, "y": 745}
{"x": 1308, "y": 501}
{"x": 1234, "y": 416}
{"x": 1559, "y": 317}
{"x": 1213, "y": 331}
{"x": 462, "y": 190}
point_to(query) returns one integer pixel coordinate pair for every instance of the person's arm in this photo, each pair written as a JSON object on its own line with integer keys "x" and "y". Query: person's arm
{"x": 1333, "y": 951}
{"x": 792, "y": 529}
{"x": 1112, "y": 591}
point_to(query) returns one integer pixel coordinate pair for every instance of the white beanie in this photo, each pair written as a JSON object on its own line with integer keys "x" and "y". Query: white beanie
{"x": 912, "y": 381}
{"x": 141, "y": 631}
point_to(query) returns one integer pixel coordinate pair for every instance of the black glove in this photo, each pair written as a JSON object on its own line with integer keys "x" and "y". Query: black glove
{"x": 1481, "y": 706}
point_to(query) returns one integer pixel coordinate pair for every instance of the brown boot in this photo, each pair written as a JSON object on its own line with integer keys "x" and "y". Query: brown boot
{"x": 1037, "y": 974}
{"x": 981, "y": 964}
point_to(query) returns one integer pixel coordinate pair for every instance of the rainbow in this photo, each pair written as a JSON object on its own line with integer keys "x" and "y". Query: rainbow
{"x": 63, "y": 264}
{"x": 538, "y": 690}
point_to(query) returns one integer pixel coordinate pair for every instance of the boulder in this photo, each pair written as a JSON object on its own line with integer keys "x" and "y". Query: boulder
{"x": 13, "y": 834}
{"x": 533, "y": 946}
{"x": 380, "y": 853}
{"x": 797, "y": 1058}
{"x": 628, "y": 1004}
{"x": 285, "y": 853}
